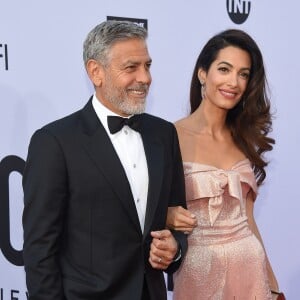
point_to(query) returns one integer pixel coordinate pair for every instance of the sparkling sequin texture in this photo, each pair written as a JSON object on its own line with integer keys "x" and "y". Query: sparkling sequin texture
{"x": 225, "y": 261}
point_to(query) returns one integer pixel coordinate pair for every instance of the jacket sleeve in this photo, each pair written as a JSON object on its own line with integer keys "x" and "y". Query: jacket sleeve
{"x": 177, "y": 198}
{"x": 45, "y": 192}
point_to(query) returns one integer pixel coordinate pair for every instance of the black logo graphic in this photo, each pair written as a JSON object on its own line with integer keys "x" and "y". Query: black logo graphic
{"x": 238, "y": 10}
{"x": 140, "y": 22}
{"x": 8, "y": 165}
{"x": 4, "y": 55}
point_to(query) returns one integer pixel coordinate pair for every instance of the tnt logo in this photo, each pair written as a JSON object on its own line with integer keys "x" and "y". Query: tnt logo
{"x": 238, "y": 10}
{"x": 4, "y": 56}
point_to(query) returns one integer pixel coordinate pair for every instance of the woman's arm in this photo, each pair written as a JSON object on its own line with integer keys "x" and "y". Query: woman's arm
{"x": 181, "y": 219}
{"x": 249, "y": 211}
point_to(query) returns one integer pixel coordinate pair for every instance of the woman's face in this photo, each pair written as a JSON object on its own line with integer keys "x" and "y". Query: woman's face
{"x": 227, "y": 78}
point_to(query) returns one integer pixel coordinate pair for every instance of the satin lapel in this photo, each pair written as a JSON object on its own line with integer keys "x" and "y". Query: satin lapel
{"x": 102, "y": 152}
{"x": 155, "y": 157}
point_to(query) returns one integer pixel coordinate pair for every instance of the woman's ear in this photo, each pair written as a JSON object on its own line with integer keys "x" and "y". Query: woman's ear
{"x": 201, "y": 76}
{"x": 95, "y": 72}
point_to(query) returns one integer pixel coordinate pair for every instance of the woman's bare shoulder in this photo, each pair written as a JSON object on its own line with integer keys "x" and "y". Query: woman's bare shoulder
{"x": 181, "y": 123}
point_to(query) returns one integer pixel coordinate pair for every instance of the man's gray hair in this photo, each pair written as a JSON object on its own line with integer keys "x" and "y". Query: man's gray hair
{"x": 100, "y": 39}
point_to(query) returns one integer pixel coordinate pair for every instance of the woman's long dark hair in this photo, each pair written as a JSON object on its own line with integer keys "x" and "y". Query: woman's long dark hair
{"x": 250, "y": 120}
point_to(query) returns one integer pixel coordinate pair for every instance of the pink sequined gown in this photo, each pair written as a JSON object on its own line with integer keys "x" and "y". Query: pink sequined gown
{"x": 225, "y": 261}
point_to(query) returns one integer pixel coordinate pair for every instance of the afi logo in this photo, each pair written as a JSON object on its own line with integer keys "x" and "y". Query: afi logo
{"x": 4, "y": 55}
{"x": 238, "y": 10}
{"x": 8, "y": 165}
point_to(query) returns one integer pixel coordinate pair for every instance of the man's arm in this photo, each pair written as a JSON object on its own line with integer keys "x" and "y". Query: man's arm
{"x": 169, "y": 247}
{"x": 44, "y": 184}
{"x": 178, "y": 197}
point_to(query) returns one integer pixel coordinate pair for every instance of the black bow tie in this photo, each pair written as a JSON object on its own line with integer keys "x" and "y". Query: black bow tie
{"x": 116, "y": 123}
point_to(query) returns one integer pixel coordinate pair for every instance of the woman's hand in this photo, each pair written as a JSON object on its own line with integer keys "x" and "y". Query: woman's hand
{"x": 181, "y": 219}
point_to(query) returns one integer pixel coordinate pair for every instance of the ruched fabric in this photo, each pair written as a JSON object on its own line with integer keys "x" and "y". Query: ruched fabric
{"x": 225, "y": 261}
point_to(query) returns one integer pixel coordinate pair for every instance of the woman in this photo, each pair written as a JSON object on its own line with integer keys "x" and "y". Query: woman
{"x": 222, "y": 142}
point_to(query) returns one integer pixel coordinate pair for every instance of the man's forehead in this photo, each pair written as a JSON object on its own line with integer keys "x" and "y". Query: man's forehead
{"x": 130, "y": 50}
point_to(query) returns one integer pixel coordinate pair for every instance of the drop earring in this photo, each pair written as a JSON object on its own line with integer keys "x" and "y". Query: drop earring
{"x": 203, "y": 89}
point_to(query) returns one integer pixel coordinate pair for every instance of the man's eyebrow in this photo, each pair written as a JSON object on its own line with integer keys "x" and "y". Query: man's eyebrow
{"x": 136, "y": 62}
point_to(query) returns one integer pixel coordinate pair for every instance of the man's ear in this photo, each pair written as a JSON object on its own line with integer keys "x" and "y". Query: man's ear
{"x": 95, "y": 72}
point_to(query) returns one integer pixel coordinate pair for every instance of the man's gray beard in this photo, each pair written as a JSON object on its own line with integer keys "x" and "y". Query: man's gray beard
{"x": 127, "y": 108}
{"x": 132, "y": 109}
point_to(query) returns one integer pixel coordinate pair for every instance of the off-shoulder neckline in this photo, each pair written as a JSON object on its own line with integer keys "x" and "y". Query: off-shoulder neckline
{"x": 234, "y": 166}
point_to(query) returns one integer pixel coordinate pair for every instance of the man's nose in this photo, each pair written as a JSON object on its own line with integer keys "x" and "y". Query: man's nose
{"x": 144, "y": 76}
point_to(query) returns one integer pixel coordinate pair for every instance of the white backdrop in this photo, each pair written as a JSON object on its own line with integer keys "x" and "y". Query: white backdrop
{"x": 42, "y": 78}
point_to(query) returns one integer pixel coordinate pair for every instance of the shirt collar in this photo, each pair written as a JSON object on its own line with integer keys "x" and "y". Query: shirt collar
{"x": 102, "y": 112}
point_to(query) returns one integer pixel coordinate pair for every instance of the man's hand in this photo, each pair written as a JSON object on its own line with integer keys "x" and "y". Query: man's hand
{"x": 162, "y": 249}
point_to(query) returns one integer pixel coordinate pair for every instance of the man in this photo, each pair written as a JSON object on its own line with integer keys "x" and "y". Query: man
{"x": 96, "y": 198}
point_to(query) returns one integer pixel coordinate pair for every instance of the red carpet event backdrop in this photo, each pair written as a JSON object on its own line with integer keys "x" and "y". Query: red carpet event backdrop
{"x": 42, "y": 78}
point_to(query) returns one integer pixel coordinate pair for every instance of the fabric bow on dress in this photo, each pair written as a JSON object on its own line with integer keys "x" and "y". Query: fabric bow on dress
{"x": 211, "y": 182}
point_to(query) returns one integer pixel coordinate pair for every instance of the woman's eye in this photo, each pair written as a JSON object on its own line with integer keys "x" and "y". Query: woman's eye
{"x": 245, "y": 75}
{"x": 223, "y": 69}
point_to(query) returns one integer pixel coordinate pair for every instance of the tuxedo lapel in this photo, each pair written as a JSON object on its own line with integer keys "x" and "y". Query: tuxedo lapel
{"x": 102, "y": 152}
{"x": 154, "y": 156}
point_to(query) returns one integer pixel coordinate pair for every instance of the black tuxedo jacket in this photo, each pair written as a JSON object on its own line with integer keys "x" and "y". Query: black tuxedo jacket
{"x": 82, "y": 237}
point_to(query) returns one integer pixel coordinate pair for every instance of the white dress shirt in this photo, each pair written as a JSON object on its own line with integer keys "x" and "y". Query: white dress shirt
{"x": 130, "y": 149}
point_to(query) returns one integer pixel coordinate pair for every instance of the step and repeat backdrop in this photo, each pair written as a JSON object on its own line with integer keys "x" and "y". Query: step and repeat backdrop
{"x": 42, "y": 78}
